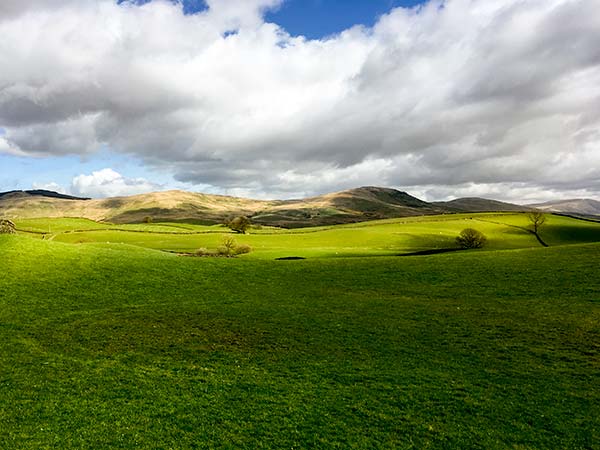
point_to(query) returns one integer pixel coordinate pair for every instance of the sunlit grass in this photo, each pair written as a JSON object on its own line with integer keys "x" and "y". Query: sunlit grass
{"x": 386, "y": 237}
{"x": 114, "y": 346}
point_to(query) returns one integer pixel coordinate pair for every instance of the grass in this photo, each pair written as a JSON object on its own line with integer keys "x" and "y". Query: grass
{"x": 377, "y": 238}
{"x": 117, "y": 346}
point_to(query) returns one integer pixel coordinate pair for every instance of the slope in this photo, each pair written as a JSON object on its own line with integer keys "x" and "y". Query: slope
{"x": 475, "y": 204}
{"x": 341, "y": 207}
{"x": 584, "y": 207}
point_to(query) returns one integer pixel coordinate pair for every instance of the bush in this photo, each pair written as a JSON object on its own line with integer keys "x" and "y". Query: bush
{"x": 228, "y": 248}
{"x": 242, "y": 249}
{"x": 471, "y": 238}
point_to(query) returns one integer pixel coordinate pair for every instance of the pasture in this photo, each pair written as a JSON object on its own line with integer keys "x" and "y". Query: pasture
{"x": 376, "y": 238}
{"x": 109, "y": 343}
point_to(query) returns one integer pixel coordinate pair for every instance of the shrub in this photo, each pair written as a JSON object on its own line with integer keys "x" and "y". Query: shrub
{"x": 471, "y": 238}
{"x": 242, "y": 249}
{"x": 228, "y": 248}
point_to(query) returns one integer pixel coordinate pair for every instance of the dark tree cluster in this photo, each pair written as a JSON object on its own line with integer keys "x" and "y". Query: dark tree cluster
{"x": 471, "y": 238}
{"x": 239, "y": 224}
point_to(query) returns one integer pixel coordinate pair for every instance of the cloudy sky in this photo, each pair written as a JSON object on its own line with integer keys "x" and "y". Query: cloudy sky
{"x": 288, "y": 98}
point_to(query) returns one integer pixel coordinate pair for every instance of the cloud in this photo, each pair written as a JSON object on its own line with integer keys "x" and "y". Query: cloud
{"x": 108, "y": 183}
{"x": 11, "y": 8}
{"x": 449, "y": 94}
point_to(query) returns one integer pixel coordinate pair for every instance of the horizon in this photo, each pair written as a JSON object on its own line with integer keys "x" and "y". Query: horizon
{"x": 556, "y": 201}
{"x": 286, "y": 99}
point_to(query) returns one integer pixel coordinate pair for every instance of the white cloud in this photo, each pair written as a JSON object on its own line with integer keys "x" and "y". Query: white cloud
{"x": 456, "y": 93}
{"x": 108, "y": 183}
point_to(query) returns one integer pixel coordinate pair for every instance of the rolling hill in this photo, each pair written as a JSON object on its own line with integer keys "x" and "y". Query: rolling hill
{"x": 583, "y": 207}
{"x": 354, "y": 205}
{"x": 40, "y": 193}
{"x": 476, "y": 204}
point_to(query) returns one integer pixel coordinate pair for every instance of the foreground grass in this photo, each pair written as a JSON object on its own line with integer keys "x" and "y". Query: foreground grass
{"x": 109, "y": 346}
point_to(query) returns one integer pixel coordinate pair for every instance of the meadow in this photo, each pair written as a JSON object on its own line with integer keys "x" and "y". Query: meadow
{"x": 375, "y": 238}
{"x": 108, "y": 342}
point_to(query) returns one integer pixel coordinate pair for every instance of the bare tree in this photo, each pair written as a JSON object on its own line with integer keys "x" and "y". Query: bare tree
{"x": 7, "y": 227}
{"x": 228, "y": 246}
{"x": 537, "y": 219}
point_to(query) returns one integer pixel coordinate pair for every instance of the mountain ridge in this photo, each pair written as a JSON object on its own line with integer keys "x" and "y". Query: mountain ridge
{"x": 348, "y": 206}
{"x": 581, "y": 206}
{"x": 478, "y": 204}
{"x": 41, "y": 193}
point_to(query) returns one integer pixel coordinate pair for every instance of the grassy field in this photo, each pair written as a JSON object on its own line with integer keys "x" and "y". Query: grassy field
{"x": 376, "y": 238}
{"x": 121, "y": 346}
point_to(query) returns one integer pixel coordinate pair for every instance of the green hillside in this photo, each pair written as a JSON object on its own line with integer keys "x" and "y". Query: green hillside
{"x": 374, "y": 238}
{"x": 115, "y": 346}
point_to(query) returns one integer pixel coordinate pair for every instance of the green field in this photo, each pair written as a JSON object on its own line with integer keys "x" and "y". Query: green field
{"x": 109, "y": 343}
{"x": 376, "y": 238}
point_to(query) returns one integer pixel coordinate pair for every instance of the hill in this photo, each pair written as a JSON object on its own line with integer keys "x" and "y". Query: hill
{"x": 354, "y": 205}
{"x": 583, "y": 207}
{"x": 350, "y": 206}
{"x": 39, "y": 193}
{"x": 476, "y": 204}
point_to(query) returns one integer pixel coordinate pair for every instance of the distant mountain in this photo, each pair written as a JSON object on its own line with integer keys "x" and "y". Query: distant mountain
{"x": 583, "y": 207}
{"x": 354, "y": 205}
{"x": 475, "y": 204}
{"x": 40, "y": 193}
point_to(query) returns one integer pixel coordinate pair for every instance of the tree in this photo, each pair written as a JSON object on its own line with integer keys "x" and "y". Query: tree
{"x": 228, "y": 246}
{"x": 7, "y": 227}
{"x": 239, "y": 224}
{"x": 471, "y": 238}
{"x": 537, "y": 219}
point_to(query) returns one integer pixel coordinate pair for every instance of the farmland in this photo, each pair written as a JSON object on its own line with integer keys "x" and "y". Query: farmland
{"x": 379, "y": 238}
{"x": 109, "y": 340}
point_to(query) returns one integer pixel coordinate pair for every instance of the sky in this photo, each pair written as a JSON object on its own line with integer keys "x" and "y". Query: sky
{"x": 291, "y": 98}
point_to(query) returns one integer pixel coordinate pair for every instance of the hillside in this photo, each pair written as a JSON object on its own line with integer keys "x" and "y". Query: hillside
{"x": 584, "y": 207}
{"x": 354, "y": 205}
{"x": 475, "y": 204}
{"x": 342, "y": 207}
{"x": 39, "y": 193}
